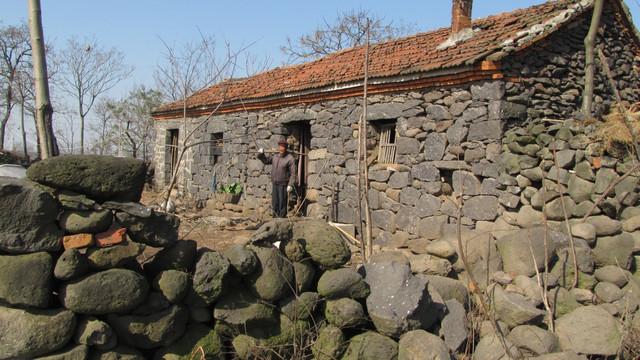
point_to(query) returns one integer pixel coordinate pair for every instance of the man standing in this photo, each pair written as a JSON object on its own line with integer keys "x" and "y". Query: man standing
{"x": 283, "y": 177}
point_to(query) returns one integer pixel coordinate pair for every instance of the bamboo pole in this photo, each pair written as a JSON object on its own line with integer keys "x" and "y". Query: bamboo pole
{"x": 367, "y": 210}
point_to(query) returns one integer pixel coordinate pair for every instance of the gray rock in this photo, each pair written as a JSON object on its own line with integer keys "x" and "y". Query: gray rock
{"x": 71, "y": 200}
{"x": 579, "y": 189}
{"x": 436, "y": 144}
{"x": 197, "y": 339}
{"x": 584, "y": 254}
{"x": 614, "y": 250}
{"x": 179, "y": 256}
{"x": 300, "y": 307}
{"x": 589, "y": 330}
{"x": 99, "y": 177}
{"x": 491, "y": 347}
{"x": 242, "y": 259}
{"x": 465, "y": 181}
{"x": 323, "y": 243}
{"x": 419, "y": 344}
{"x": 305, "y": 274}
{"x": 70, "y": 265}
{"x": 371, "y": 345}
{"x": 453, "y": 325}
{"x": 528, "y": 217}
{"x": 566, "y": 158}
{"x": 604, "y": 178}
{"x": 424, "y": 172}
{"x": 562, "y": 301}
{"x": 567, "y": 355}
{"x": 293, "y": 250}
{"x": 530, "y": 287}
{"x": 210, "y": 278}
{"x": 120, "y": 352}
{"x": 398, "y": 302}
{"x": 91, "y": 221}
{"x": 274, "y": 276}
{"x": 243, "y": 310}
{"x": 481, "y": 208}
{"x": 114, "y": 256}
{"x": 78, "y": 352}
{"x": 158, "y": 230}
{"x": 516, "y": 251}
{"x": 342, "y": 283}
{"x": 556, "y": 210}
{"x": 130, "y": 207}
{"x": 631, "y": 224}
{"x": 605, "y": 226}
{"x": 330, "y": 344}
{"x": 533, "y": 341}
{"x": 344, "y": 313}
{"x": 448, "y": 288}
{"x": 613, "y": 274}
{"x": 515, "y": 309}
{"x": 585, "y": 231}
{"x": 91, "y": 331}
{"x": 481, "y": 254}
{"x": 173, "y": 284}
{"x": 150, "y": 331}
{"x": 607, "y": 292}
{"x": 441, "y": 248}
{"x": 485, "y": 130}
{"x": 430, "y": 265}
{"x": 583, "y": 296}
{"x": 26, "y": 334}
{"x": 25, "y": 280}
{"x": 389, "y": 256}
{"x": 109, "y": 291}
{"x": 27, "y": 218}
{"x": 273, "y": 231}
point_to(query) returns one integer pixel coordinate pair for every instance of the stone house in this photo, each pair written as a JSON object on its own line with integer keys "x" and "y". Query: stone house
{"x": 438, "y": 106}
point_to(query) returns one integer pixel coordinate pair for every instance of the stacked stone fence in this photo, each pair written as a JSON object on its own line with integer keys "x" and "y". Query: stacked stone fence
{"x": 74, "y": 283}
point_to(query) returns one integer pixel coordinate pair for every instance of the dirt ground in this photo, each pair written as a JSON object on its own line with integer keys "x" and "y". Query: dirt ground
{"x": 217, "y": 233}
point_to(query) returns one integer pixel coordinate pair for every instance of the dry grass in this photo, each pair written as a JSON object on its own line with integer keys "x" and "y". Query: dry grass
{"x": 614, "y": 133}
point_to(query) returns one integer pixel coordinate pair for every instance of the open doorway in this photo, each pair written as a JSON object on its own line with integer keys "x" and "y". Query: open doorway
{"x": 171, "y": 152}
{"x": 301, "y": 130}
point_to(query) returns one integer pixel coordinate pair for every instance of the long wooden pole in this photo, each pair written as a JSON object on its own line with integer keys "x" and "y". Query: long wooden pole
{"x": 367, "y": 210}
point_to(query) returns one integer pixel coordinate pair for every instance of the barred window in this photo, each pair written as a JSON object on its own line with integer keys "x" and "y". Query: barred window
{"x": 387, "y": 148}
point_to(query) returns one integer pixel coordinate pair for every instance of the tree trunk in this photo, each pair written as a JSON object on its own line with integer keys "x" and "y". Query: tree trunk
{"x": 23, "y": 130}
{"x": 44, "y": 110}
{"x": 590, "y": 63}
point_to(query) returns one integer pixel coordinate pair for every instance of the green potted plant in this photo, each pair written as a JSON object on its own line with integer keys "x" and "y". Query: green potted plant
{"x": 229, "y": 193}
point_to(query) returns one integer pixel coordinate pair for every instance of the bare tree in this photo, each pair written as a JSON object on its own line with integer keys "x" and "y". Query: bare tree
{"x": 44, "y": 111}
{"x": 15, "y": 49}
{"x": 349, "y": 29}
{"x": 590, "y": 62}
{"x": 89, "y": 71}
{"x": 106, "y": 141}
{"x": 194, "y": 66}
{"x": 134, "y": 122}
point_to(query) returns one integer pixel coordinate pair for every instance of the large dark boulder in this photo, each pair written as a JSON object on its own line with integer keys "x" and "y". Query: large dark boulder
{"x": 158, "y": 230}
{"x": 25, "y": 334}
{"x": 150, "y": 331}
{"x": 110, "y": 291}
{"x": 323, "y": 243}
{"x": 27, "y": 218}
{"x": 25, "y": 280}
{"x": 99, "y": 177}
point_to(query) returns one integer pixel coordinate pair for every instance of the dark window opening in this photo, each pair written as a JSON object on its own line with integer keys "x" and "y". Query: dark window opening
{"x": 172, "y": 144}
{"x": 387, "y": 143}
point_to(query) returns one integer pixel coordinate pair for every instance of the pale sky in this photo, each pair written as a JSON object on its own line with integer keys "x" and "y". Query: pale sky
{"x": 138, "y": 28}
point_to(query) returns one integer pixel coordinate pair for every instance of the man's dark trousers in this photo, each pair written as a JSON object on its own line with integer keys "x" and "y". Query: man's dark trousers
{"x": 279, "y": 200}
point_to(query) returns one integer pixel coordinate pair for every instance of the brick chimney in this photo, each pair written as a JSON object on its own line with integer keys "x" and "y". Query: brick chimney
{"x": 461, "y": 15}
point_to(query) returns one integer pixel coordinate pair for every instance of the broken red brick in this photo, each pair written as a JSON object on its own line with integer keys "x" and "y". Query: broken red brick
{"x": 111, "y": 237}
{"x": 77, "y": 241}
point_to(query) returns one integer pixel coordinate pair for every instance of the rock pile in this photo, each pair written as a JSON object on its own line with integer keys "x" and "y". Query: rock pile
{"x": 74, "y": 285}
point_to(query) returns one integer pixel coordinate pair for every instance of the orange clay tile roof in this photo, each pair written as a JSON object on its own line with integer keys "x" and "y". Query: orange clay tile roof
{"x": 415, "y": 58}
